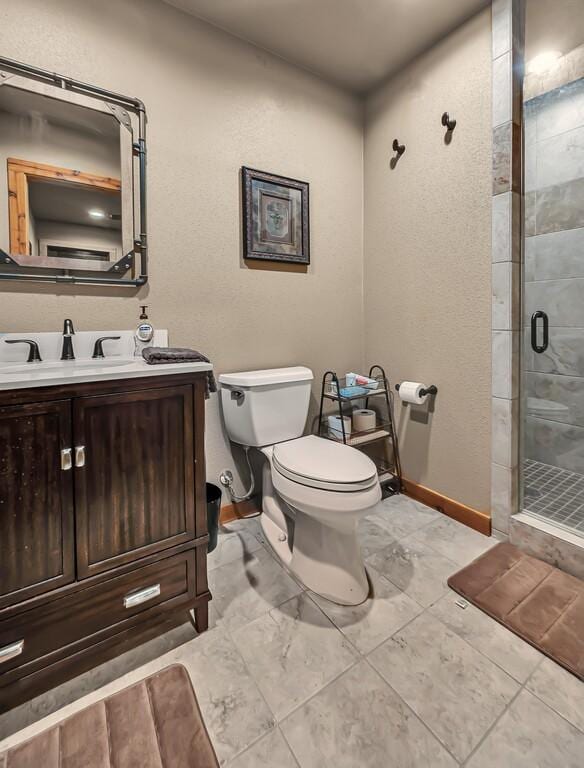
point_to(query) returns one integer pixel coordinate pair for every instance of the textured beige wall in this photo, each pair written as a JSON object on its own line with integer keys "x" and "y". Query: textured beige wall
{"x": 428, "y": 257}
{"x": 213, "y": 104}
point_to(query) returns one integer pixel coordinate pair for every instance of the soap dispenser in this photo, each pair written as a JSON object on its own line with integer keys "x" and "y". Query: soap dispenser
{"x": 144, "y": 333}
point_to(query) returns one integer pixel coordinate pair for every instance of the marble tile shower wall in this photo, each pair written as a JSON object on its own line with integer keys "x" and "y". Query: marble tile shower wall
{"x": 507, "y": 73}
{"x": 554, "y": 273}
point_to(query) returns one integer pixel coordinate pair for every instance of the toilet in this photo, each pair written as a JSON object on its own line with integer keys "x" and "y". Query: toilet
{"x": 314, "y": 490}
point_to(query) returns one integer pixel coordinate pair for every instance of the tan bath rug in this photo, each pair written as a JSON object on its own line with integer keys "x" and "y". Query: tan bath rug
{"x": 155, "y": 723}
{"x": 540, "y": 603}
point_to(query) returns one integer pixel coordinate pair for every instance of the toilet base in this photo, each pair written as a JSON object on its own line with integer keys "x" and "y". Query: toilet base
{"x": 327, "y": 559}
{"x": 315, "y": 556}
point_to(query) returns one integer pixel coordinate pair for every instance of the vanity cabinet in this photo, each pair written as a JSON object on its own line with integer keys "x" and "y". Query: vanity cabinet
{"x": 144, "y": 501}
{"x": 103, "y": 532}
{"x": 37, "y": 548}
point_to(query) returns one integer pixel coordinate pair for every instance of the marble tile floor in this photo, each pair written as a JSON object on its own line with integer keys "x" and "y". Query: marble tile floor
{"x": 414, "y": 677}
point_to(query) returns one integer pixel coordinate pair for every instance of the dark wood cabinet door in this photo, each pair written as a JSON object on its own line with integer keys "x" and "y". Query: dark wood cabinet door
{"x": 36, "y": 500}
{"x": 134, "y": 475}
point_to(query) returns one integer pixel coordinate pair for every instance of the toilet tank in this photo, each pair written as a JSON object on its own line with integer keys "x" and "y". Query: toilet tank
{"x": 265, "y": 407}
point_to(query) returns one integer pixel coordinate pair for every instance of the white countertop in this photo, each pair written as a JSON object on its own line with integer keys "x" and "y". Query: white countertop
{"x": 51, "y": 373}
{"x": 119, "y": 361}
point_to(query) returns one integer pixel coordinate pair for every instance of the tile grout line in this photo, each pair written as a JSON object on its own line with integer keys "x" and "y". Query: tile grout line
{"x": 296, "y": 760}
{"x": 522, "y": 687}
{"x": 276, "y": 727}
{"x": 360, "y": 656}
{"x": 545, "y": 703}
{"x": 252, "y": 678}
{"x": 365, "y": 657}
{"x": 412, "y": 710}
{"x": 320, "y": 690}
{"x": 490, "y": 729}
{"x": 478, "y": 650}
{"x": 312, "y": 695}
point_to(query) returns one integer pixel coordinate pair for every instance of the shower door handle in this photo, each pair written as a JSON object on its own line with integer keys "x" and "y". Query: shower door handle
{"x": 539, "y": 315}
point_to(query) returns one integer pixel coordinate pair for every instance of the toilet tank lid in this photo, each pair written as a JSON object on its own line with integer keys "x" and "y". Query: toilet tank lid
{"x": 266, "y": 377}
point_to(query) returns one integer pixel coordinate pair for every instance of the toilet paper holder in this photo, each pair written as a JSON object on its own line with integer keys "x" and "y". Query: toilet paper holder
{"x": 431, "y": 390}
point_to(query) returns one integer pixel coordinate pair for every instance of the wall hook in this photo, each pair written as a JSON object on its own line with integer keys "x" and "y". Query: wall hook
{"x": 447, "y": 122}
{"x": 399, "y": 148}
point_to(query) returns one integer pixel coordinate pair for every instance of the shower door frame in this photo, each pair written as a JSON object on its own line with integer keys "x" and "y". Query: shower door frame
{"x": 507, "y": 518}
{"x": 508, "y": 28}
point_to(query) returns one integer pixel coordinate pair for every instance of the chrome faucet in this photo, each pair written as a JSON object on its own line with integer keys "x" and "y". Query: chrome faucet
{"x": 67, "y": 352}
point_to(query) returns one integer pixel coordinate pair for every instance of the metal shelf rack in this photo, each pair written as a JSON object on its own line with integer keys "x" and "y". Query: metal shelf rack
{"x": 390, "y": 474}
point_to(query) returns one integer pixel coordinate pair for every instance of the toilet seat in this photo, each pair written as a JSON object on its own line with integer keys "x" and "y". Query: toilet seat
{"x": 319, "y": 463}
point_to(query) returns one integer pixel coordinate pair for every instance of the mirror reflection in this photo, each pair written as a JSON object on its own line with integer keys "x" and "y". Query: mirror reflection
{"x": 68, "y": 204}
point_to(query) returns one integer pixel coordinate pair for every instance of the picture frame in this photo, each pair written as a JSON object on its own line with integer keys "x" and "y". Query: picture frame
{"x": 275, "y": 214}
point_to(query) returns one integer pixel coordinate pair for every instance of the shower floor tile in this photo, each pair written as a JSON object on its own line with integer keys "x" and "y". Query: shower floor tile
{"x": 555, "y": 495}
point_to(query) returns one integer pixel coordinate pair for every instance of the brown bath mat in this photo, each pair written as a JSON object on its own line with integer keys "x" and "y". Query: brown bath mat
{"x": 153, "y": 724}
{"x": 540, "y": 603}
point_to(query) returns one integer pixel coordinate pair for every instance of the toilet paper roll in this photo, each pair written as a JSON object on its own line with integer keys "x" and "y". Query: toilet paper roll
{"x": 409, "y": 392}
{"x": 364, "y": 418}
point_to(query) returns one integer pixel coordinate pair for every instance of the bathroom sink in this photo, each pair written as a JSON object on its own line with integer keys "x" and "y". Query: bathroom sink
{"x": 55, "y": 372}
{"x": 119, "y": 364}
{"x": 64, "y": 366}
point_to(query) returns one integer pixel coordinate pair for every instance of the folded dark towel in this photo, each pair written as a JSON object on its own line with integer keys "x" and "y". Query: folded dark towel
{"x": 166, "y": 355}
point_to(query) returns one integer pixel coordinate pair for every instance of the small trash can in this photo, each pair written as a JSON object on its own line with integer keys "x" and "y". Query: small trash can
{"x": 213, "y": 509}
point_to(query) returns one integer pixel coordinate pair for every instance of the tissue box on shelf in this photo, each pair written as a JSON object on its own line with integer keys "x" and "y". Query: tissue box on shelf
{"x": 336, "y": 430}
{"x": 356, "y": 380}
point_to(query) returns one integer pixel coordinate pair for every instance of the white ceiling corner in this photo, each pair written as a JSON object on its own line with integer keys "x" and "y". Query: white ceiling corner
{"x": 355, "y": 44}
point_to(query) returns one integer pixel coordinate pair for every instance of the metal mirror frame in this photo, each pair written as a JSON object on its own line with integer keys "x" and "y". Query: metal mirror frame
{"x": 41, "y": 81}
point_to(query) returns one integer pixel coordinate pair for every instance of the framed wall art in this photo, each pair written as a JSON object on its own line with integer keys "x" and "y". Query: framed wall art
{"x": 275, "y": 217}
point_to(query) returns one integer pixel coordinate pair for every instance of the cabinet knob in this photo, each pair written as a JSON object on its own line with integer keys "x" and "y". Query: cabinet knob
{"x": 66, "y": 459}
{"x": 79, "y": 455}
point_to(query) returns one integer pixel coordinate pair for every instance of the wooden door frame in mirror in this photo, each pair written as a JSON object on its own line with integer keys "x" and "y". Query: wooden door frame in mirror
{"x": 20, "y": 173}
{"x": 133, "y": 196}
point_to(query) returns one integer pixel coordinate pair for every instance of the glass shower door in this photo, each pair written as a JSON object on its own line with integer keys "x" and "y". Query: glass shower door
{"x": 553, "y": 277}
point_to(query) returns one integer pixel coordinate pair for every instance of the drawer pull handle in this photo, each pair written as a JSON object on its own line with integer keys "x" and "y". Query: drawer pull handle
{"x": 10, "y": 651}
{"x": 66, "y": 459}
{"x": 79, "y": 455}
{"x": 142, "y": 596}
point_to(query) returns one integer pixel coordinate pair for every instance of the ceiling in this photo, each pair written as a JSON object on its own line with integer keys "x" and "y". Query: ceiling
{"x": 35, "y": 106}
{"x": 354, "y": 43}
{"x": 553, "y": 26}
{"x": 70, "y": 203}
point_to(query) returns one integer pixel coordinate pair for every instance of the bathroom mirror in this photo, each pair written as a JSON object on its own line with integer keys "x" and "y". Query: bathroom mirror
{"x": 72, "y": 181}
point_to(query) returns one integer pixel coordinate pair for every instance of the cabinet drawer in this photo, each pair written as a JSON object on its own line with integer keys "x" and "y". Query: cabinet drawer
{"x": 59, "y": 623}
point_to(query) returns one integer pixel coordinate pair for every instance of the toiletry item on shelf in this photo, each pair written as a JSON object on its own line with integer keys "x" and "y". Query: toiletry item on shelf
{"x": 363, "y": 419}
{"x": 144, "y": 333}
{"x": 354, "y": 391}
{"x": 336, "y": 430}
{"x": 355, "y": 379}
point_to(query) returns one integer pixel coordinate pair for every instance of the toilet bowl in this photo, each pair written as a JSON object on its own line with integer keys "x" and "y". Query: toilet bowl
{"x": 314, "y": 490}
